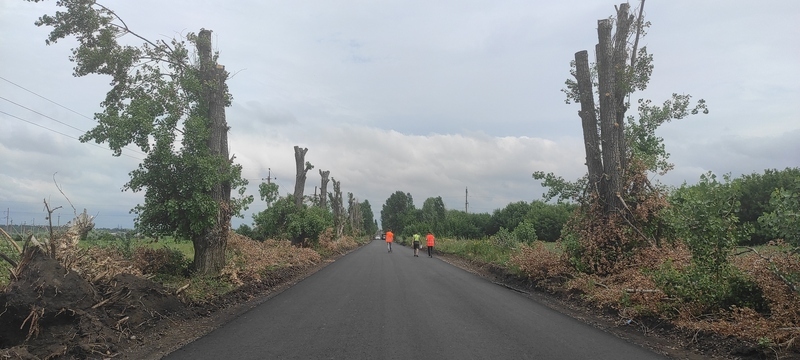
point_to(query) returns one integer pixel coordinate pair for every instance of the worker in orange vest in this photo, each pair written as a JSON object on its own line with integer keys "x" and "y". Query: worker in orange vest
{"x": 389, "y": 239}
{"x": 430, "y": 239}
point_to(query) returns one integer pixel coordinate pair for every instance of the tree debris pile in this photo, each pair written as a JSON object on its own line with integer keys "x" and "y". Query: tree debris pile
{"x": 49, "y": 311}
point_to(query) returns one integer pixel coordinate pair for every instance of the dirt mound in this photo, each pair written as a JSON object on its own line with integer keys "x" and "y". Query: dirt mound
{"x": 51, "y": 312}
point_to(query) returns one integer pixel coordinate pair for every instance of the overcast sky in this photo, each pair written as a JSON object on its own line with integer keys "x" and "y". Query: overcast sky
{"x": 425, "y": 97}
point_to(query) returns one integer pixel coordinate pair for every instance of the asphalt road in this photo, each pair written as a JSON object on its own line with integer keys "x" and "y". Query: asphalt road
{"x": 372, "y": 304}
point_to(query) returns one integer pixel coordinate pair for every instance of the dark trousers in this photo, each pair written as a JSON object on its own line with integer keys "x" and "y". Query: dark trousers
{"x": 430, "y": 251}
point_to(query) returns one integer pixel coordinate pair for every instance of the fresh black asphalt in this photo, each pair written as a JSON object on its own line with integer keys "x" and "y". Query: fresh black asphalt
{"x": 372, "y": 304}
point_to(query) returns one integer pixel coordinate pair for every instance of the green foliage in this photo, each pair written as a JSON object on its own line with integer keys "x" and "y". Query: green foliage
{"x": 704, "y": 216}
{"x": 482, "y": 250}
{"x": 433, "y": 214}
{"x": 525, "y": 232}
{"x": 756, "y": 193}
{"x": 504, "y": 239}
{"x": 560, "y": 189}
{"x": 370, "y": 227}
{"x": 461, "y": 225}
{"x": 509, "y": 217}
{"x": 549, "y": 219}
{"x": 284, "y": 220}
{"x": 245, "y": 230}
{"x": 784, "y": 219}
{"x": 721, "y": 289}
{"x": 157, "y": 103}
{"x": 307, "y": 224}
{"x": 268, "y": 192}
{"x": 398, "y": 212}
{"x": 574, "y": 250}
{"x": 640, "y": 133}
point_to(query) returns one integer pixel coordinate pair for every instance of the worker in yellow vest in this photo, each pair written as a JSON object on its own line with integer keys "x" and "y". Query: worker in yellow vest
{"x": 415, "y": 244}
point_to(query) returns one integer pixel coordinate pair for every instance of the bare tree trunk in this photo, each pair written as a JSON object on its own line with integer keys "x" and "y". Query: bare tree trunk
{"x": 323, "y": 189}
{"x": 338, "y": 208}
{"x": 621, "y": 80}
{"x": 209, "y": 246}
{"x": 589, "y": 121}
{"x": 302, "y": 169}
{"x": 608, "y": 114}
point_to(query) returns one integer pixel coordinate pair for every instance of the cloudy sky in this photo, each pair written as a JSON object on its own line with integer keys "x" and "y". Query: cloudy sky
{"x": 426, "y": 97}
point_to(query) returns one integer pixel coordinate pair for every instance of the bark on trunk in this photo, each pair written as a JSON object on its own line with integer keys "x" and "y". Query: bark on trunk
{"x": 337, "y": 208}
{"x": 210, "y": 244}
{"x": 621, "y": 80}
{"x": 300, "y": 178}
{"x": 588, "y": 116}
{"x": 609, "y": 128}
{"x": 323, "y": 189}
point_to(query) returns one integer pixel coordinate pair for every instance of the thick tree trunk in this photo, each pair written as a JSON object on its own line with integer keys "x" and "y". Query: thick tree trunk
{"x": 609, "y": 128}
{"x": 323, "y": 189}
{"x": 300, "y": 178}
{"x": 621, "y": 80}
{"x": 588, "y": 116}
{"x": 209, "y": 246}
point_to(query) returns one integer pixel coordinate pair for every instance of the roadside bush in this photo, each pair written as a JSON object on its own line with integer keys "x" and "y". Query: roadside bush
{"x": 784, "y": 220}
{"x": 525, "y": 232}
{"x": 504, "y": 239}
{"x": 165, "y": 261}
{"x": 710, "y": 291}
{"x": 537, "y": 262}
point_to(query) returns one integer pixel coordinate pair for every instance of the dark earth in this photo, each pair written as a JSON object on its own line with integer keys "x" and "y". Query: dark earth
{"x": 64, "y": 316}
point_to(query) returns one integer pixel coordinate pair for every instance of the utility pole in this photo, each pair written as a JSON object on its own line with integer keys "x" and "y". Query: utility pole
{"x": 269, "y": 176}
{"x": 466, "y": 200}
{"x": 269, "y": 181}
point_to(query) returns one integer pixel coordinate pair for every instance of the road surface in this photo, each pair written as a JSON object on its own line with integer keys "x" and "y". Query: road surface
{"x": 372, "y": 304}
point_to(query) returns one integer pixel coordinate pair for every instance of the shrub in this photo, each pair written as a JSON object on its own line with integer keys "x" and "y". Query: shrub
{"x": 525, "y": 232}
{"x": 165, "y": 261}
{"x": 537, "y": 262}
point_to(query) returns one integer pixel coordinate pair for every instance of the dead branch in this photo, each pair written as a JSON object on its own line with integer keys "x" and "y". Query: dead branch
{"x": 34, "y": 317}
{"x": 11, "y": 241}
{"x": 184, "y": 287}
{"x": 50, "y": 223}
{"x": 774, "y": 268}
{"x": 649, "y": 241}
{"x": 642, "y": 290}
{"x": 10, "y": 261}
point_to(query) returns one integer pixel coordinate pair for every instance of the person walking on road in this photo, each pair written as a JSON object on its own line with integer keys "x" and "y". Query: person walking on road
{"x": 389, "y": 239}
{"x": 416, "y": 245}
{"x": 430, "y": 239}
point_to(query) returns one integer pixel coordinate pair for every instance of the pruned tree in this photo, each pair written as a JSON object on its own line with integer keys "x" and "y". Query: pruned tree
{"x": 171, "y": 104}
{"x": 354, "y": 215}
{"x": 337, "y": 208}
{"x": 323, "y": 188}
{"x": 618, "y": 198}
{"x": 302, "y": 167}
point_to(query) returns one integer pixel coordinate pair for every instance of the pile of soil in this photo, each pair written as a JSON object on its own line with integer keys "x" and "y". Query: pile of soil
{"x": 50, "y": 312}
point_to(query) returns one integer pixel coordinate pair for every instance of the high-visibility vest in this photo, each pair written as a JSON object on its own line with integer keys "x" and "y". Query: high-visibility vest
{"x": 389, "y": 236}
{"x": 430, "y": 239}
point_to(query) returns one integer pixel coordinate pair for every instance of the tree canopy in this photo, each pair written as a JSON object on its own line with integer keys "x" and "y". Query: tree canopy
{"x": 169, "y": 102}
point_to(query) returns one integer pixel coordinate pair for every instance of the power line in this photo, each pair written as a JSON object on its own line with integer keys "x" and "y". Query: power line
{"x": 57, "y": 104}
{"x": 30, "y": 91}
{"x": 38, "y": 113}
{"x": 60, "y": 133}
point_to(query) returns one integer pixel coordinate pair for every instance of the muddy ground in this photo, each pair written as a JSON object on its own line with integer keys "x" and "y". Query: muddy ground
{"x": 51, "y": 313}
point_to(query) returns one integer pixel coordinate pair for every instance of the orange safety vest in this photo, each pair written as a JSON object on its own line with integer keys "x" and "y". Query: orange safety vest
{"x": 430, "y": 239}
{"x": 389, "y": 236}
